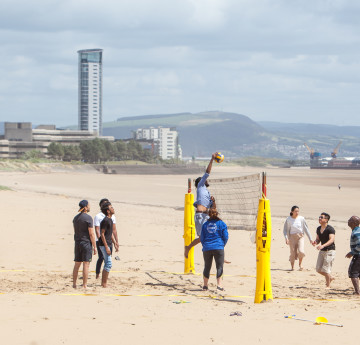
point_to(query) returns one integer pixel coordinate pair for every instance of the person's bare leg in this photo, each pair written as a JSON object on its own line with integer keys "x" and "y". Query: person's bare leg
{"x": 292, "y": 265}
{"x": 86, "y": 265}
{"x": 355, "y": 282}
{"x": 300, "y": 264}
{"x": 75, "y": 273}
{"x": 105, "y": 276}
{"x": 192, "y": 244}
{"x": 328, "y": 278}
{"x": 206, "y": 281}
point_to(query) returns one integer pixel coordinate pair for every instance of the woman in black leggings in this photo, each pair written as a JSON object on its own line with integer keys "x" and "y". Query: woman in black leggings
{"x": 214, "y": 236}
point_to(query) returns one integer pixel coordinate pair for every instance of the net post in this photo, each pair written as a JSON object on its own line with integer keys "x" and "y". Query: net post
{"x": 189, "y": 229}
{"x": 263, "y": 290}
{"x": 263, "y": 185}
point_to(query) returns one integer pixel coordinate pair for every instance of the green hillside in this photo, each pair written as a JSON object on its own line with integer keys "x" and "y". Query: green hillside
{"x": 201, "y": 133}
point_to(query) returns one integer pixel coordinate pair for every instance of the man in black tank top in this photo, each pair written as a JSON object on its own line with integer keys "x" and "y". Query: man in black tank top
{"x": 325, "y": 243}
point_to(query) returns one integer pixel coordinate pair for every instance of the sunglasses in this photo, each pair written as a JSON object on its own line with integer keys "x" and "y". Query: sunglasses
{"x": 321, "y": 217}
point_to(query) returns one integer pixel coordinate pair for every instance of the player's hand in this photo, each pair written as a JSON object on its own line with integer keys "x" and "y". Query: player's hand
{"x": 287, "y": 241}
{"x": 116, "y": 247}
{"x": 319, "y": 247}
{"x": 108, "y": 251}
{"x": 348, "y": 255}
{"x": 95, "y": 251}
{"x": 214, "y": 155}
{"x": 212, "y": 199}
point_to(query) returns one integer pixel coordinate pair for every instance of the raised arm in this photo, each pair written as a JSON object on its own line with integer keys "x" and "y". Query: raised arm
{"x": 208, "y": 169}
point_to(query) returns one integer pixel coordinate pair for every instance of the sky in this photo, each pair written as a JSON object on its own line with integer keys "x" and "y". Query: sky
{"x": 272, "y": 60}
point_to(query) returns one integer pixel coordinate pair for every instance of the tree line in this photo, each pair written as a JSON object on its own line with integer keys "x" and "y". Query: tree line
{"x": 100, "y": 150}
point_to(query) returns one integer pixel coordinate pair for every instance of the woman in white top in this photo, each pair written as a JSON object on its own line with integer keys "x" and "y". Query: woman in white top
{"x": 294, "y": 228}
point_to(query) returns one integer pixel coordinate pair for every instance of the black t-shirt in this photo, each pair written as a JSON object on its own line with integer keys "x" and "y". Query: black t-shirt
{"x": 82, "y": 222}
{"x": 325, "y": 236}
{"x": 107, "y": 225}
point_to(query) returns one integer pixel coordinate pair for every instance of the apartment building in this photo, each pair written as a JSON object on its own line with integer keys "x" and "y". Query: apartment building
{"x": 166, "y": 141}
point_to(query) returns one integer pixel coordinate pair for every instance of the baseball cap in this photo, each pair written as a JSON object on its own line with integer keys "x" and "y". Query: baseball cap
{"x": 83, "y": 204}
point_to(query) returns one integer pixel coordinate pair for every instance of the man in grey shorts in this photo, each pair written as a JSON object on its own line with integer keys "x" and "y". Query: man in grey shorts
{"x": 202, "y": 204}
{"x": 325, "y": 241}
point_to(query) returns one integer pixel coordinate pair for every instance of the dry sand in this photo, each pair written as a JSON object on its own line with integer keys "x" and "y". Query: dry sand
{"x": 39, "y": 306}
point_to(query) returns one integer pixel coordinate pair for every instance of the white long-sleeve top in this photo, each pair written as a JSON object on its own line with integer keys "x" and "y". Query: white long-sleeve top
{"x": 296, "y": 226}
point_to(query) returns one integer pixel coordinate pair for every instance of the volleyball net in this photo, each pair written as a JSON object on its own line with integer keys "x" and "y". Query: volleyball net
{"x": 237, "y": 200}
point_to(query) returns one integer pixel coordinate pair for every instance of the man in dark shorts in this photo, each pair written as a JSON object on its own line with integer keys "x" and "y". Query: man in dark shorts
{"x": 354, "y": 267}
{"x": 85, "y": 244}
{"x": 105, "y": 240}
{"x": 325, "y": 241}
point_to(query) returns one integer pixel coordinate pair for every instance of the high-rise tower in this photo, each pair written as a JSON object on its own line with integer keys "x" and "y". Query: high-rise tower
{"x": 90, "y": 90}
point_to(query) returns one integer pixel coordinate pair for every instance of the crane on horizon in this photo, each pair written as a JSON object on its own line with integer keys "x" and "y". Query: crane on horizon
{"x": 335, "y": 150}
{"x": 312, "y": 151}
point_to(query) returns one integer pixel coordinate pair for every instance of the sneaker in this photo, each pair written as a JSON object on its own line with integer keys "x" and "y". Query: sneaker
{"x": 205, "y": 288}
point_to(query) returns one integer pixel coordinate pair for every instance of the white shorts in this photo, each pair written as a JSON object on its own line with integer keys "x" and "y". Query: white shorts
{"x": 200, "y": 219}
{"x": 325, "y": 261}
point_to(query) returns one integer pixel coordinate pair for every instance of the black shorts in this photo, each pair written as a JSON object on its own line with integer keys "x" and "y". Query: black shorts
{"x": 83, "y": 251}
{"x": 354, "y": 267}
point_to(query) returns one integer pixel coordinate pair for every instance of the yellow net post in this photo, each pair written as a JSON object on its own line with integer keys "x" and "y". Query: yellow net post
{"x": 263, "y": 290}
{"x": 189, "y": 229}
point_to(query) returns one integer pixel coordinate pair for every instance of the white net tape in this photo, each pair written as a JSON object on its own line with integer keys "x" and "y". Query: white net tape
{"x": 237, "y": 200}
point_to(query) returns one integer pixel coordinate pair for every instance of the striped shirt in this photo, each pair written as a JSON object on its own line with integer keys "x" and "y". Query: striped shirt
{"x": 355, "y": 241}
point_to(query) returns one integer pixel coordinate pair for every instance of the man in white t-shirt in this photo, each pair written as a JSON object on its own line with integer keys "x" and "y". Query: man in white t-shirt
{"x": 97, "y": 220}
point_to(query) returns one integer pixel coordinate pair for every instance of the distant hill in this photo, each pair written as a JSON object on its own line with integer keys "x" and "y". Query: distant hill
{"x": 237, "y": 135}
{"x": 310, "y": 129}
{"x": 201, "y": 133}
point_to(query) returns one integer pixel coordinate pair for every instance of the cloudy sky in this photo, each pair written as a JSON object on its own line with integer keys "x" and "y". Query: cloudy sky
{"x": 275, "y": 60}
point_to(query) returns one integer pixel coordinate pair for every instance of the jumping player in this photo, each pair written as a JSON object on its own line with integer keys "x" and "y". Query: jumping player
{"x": 202, "y": 204}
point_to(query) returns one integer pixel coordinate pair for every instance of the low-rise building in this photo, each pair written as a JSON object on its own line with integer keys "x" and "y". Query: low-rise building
{"x": 20, "y": 138}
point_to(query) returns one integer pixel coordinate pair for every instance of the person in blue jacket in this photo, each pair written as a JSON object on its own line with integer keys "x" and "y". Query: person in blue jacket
{"x": 214, "y": 236}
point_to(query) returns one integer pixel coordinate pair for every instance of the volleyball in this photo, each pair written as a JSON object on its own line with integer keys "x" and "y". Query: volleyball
{"x": 219, "y": 157}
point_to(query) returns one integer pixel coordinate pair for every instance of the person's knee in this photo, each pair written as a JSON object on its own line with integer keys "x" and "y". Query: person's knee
{"x": 108, "y": 266}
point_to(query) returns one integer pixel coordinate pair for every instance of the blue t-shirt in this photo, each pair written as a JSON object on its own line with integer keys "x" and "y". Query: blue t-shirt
{"x": 214, "y": 235}
{"x": 203, "y": 196}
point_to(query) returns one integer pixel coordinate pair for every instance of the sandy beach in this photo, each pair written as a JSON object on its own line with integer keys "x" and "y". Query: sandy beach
{"x": 39, "y": 305}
